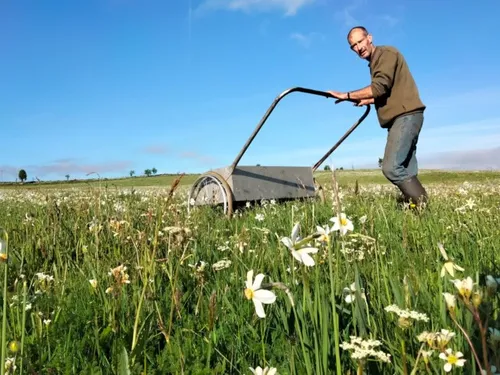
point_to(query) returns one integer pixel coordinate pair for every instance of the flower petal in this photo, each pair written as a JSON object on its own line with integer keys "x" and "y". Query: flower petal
{"x": 295, "y": 231}
{"x": 258, "y": 281}
{"x": 259, "y": 309}
{"x": 265, "y": 296}
{"x": 307, "y": 260}
{"x": 248, "y": 282}
{"x": 287, "y": 242}
{"x": 306, "y": 250}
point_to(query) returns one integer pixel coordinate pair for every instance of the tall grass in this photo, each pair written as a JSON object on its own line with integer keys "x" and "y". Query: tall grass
{"x": 121, "y": 281}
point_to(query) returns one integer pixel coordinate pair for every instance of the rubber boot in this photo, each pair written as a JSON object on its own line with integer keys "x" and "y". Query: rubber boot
{"x": 413, "y": 192}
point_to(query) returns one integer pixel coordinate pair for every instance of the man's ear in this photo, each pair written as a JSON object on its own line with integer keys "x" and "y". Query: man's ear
{"x": 370, "y": 38}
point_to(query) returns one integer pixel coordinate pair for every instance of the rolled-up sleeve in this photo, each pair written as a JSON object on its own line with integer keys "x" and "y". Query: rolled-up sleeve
{"x": 383, "y": 73}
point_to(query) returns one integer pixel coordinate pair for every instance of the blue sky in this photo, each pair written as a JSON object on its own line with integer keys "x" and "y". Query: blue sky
{"x": 110, "y": 86}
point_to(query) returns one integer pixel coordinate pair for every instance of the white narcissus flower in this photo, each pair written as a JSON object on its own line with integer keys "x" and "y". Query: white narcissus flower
{"x": 448, "y": 266}
{"x": 350, "y": 293}
{"x": 257, "y": 295}
{"x": 452, "y": 359}
{"x": 342, "y": 224}
{"x": 451, "y": 301}
{"x": 464, "y": 286}
{"x": 302, "y": 253}
{"x": 263, "y": 371}
{"x": 324, "y": 233}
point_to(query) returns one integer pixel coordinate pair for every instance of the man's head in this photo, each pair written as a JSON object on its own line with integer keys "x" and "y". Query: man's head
{"x": 360, "y": 42}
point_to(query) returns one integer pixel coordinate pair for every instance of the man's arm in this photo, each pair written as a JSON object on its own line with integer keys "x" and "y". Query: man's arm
{"x": 382, "y": 81}
{"x": 364, "y": 93}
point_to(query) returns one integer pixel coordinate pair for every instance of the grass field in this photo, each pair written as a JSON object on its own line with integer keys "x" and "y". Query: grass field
{"x": 111, "y": 277}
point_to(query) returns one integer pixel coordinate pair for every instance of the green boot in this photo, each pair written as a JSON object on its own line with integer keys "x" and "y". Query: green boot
{"x": 413, "y": 192}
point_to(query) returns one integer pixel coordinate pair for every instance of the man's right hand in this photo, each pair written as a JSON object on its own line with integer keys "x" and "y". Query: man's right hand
{"x": 364, "y": 102}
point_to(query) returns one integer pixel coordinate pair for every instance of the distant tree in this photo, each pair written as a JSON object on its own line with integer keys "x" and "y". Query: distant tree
{"x": 154, "y": 170}
{"x": 22, "y": 175}
{"x": 148, "y": 172}
{"x": 67, "y": 177}
{"x": 327, "y": 168}
{"x": 380, "y": 161}
{"x": 132, "y": 173}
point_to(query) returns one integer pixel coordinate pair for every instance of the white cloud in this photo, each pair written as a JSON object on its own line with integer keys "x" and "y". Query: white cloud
{"x": 484, "y": 159}
{"x": 452, "y": 141}
{"x": 289, "y": 7}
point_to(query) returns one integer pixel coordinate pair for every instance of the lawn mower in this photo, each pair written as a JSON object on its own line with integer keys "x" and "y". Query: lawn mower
{"x": 233, "y": 185}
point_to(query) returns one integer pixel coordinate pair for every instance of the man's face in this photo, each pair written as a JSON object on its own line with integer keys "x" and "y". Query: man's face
{"x": 361, "y": 43}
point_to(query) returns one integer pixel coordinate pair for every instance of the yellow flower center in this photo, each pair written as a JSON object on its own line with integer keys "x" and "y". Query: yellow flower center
{"x": 3, "y": 256}
{"x": 452, "y": 359}
{"x": 343, "y": 222}
{"x": 249, "y": 293}
{"x": 464, "y": 292}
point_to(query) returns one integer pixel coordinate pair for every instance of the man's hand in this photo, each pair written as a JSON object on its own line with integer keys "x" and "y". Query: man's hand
{"x": 338, "y": 95}
{"x": 364, "y": 102}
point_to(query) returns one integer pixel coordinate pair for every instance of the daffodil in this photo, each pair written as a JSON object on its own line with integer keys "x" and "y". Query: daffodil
{"x": 263, "y": 371}
{"x": 324, "y": 233}
{"x": 464, "y": 287}
{"x": 299, "y": 248}
{"x": 449, "y": 266}
{"x": 350, "y": 293}
{"x": 452, "y": 359}
{"x": 451, "y": 301}
{"x": 256, "y": 295}
{"x": 342, "y": 224}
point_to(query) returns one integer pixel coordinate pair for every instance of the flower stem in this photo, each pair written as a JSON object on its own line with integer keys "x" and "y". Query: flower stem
{"x": 403, "y": 354}
{"x": 470, "y": 344}
{"x": 482, "y": 330}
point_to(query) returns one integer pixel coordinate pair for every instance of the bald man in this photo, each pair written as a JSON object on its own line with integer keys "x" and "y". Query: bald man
{"x": 400, "y": 110}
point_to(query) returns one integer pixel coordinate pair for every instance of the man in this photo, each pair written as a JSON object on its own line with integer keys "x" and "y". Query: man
{"x": 399, "y": 110}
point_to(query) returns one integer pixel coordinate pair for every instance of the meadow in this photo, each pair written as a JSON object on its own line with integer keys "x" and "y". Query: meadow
{"x": 116, "y": 278}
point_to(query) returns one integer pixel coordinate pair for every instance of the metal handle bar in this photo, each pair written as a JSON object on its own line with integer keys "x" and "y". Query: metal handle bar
{"x": 271, "y": 108}
{"x": 356, "y": 124}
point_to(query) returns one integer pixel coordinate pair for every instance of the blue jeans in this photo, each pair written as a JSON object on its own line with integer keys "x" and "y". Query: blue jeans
{"x": 400, "y": 156}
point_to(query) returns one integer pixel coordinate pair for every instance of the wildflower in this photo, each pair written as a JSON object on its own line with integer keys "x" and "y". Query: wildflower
{"x": 3, "y": 250}
{"x": 451, "y": 302}
{"x": 93, "y": 282}
{"x": 464, "y": 287}
{"x": 406, "y": 316}
{"x": 221, "y": 264}
{"x": 365, "y": 348}
{"x": 449, "y": 266}
{"x": 14, "y": 346}
{"x": 426, "y": 354}
{"x": 436, "y": 340}
{"x": 263, "y": 371}
{"x": 10, "y": 365}
{"x": 257, "y": 295}
{"x": 120, "y": 275}
{"x": 342, "y": 224}
{"x": 259, "y": 217}
{"x": 299, "y": 250}
{"x": 324, "y": 233}
{"x": 452, "y": 359}
{"x": 350, "y": 293}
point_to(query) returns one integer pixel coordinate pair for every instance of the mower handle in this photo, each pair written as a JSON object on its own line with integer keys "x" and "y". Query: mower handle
{"x": 271, "y": 108}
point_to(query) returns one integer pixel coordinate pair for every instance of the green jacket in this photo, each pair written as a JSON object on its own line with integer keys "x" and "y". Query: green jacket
{"x": 393, "y": 87}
